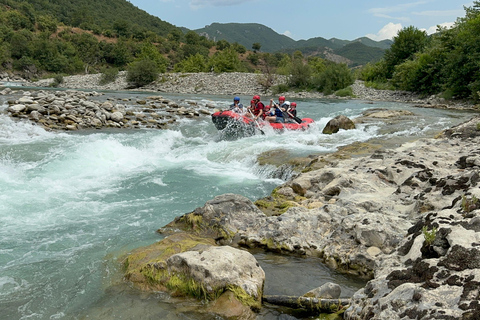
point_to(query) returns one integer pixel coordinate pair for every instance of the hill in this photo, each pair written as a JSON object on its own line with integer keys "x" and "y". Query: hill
{"x": 247, "y": 34}
{"x": 359, "y": 51}
{"x": 116, "y": 15}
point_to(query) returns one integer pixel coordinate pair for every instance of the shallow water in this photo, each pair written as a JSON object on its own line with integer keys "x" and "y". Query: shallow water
{"x": 72, "y": 204}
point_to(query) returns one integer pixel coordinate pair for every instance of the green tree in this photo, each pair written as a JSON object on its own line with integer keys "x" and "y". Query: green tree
{"x": 256, "y": 46}
{"x": 141, "y": 73}
{"x": 222, "y": 44}
{"x": 406, "y": 43}
{"x": 196, "y": 63}
{"x": 225, "y": 61}
{"x": 239, "y": 48}
{"x": 149, "y": 52}
{"x": 335, "y": 77}
{"x": 47, "y": 23}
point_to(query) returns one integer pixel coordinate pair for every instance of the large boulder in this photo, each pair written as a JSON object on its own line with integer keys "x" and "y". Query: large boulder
{"x": 337, "y": 123}
{"x": 220, "y": 269}
{"x": 186, "y": 265}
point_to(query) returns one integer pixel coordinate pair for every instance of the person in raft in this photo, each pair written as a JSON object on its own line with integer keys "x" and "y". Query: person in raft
{"x": 236, "y": 106}
{"x": 281, "y": 101}
{"x": 279, "y": 111}
{"x": 257, "y": 108}
{"x": 291, "y": 113}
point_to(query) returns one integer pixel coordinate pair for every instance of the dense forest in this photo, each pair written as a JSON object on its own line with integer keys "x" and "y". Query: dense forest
{"x": 40, "y": 38}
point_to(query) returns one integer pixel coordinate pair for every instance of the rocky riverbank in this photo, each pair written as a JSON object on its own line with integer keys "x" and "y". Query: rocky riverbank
{"x": 237, "y": 83}
{"x": 408, "y": 218}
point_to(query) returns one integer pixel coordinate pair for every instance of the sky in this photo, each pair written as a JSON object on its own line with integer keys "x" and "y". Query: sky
{"x": 305, "y": 19}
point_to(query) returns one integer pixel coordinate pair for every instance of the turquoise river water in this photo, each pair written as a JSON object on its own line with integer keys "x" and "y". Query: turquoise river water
{"x": 72, "y": 204}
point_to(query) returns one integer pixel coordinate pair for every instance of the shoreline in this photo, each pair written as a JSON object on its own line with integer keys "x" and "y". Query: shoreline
{"x": 243, "y": 84}
{"x": 367, "y": 214}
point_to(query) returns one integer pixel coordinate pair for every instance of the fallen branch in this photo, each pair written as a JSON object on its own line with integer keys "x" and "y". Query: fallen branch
{"x": 308, "y": 303}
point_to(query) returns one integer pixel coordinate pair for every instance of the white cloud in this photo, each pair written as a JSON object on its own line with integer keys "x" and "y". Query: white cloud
{"x": 389, "y": 31}
{"x": 288, "y": 34}
{"x": 433, "y": 29}
{"x": 195, "y": 4}
{"x": 438, "y": 13}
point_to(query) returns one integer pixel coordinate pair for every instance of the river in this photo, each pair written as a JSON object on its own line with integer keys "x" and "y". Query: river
{"x": 72, "y": 204}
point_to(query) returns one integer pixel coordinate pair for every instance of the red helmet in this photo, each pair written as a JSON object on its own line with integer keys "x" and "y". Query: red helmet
{"x": 281, "y": 98}
{"x": 293, "y": 104}
{"x": 256, "y": 97}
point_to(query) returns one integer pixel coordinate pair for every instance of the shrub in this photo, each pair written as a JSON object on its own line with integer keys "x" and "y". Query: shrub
{"x": 196, "y": 63}
{"x": 335, "y": 77}
{"x": 279, "y": 88}
{"x": 108, "y": 75}
{"x": 57, "y": 80}
{"x": 345, "y": 92}
{"x": 141, "y": 72}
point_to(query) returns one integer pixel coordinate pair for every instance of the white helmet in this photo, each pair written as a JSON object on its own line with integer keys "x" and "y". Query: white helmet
{"x": 287, "y": 103}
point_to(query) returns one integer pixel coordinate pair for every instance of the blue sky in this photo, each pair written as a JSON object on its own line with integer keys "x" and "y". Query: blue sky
{"x": 305, "y": 19}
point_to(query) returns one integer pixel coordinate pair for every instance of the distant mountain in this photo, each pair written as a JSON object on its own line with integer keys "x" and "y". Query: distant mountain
{"x": 358, "y": 52}
{"x": 247, "y": 34}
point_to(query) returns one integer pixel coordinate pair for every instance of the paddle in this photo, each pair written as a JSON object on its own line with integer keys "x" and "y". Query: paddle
{"x": 256, "y": 123}
{"x": 297, "y": 119}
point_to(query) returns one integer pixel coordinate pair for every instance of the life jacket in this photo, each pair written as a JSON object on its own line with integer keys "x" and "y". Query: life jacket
{"x": 259, "y": 106}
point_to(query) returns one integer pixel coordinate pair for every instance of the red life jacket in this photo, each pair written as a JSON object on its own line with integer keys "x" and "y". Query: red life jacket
{"x": 259, "y": 106}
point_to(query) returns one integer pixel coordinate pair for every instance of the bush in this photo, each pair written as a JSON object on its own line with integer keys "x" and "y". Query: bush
{"x": 300, "y": 74}
{"x": 345, "y": 92}
{"x": 279, "y": 88}
{"x": 196, "y": 63}
{"x": 335, "y": 77}
{"x": 225, "y": 61}
{"x": 108, "y": 75}
{"x": 141, "y": 73}
{"x": 57, "y": 80}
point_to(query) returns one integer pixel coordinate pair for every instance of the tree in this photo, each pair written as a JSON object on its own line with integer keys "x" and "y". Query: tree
{"x": 335, "y": 77}
{"x": 225, "y": 61}
{"x": 256, "y": 47}
{"x": 222, "y": 44}
{"x": 149, "y": 52}
{"x": 405, "y": 44}
{"x": 195, "y": 63}
{"x": 141, "y": 73}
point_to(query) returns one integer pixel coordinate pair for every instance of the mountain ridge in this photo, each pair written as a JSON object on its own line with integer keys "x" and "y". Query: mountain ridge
{"x": 247, "y": 34}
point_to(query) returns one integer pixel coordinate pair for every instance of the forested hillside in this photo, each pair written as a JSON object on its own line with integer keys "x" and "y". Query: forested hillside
{"x": 247, "y": 34}
{"x": 100, "y": 16}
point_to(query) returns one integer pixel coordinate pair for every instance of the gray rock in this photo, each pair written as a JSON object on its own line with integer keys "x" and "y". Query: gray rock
{"x": 219, "y": 267}
{"x": 328, "y": 290}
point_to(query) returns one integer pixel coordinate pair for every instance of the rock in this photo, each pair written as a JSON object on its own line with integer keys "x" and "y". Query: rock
{"x": 16, "y": 108}
{"x": 329, "y": 290}
{"x": 183, "y": 264}
{"x": 116, "y": 116}
{"x": 337, "y": 123}
{"x": 219, "y": 269}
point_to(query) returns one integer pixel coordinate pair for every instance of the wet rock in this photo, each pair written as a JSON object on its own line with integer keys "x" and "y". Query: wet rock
{"x": 337, "y": 123}
{"x": 329, "y": 290}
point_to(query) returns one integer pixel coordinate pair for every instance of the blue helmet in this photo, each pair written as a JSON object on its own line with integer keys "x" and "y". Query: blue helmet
{"x": 236, "y": 99}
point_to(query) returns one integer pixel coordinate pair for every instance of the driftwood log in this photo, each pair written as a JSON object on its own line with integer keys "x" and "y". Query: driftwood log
{"x": 308, "y": 303}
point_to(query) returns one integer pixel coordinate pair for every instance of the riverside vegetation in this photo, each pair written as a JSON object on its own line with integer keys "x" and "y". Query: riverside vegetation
{"x": 37, "y": 41}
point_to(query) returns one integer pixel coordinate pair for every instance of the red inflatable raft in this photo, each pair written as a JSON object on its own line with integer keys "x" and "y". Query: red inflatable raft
{"x": 230, "y": 119}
